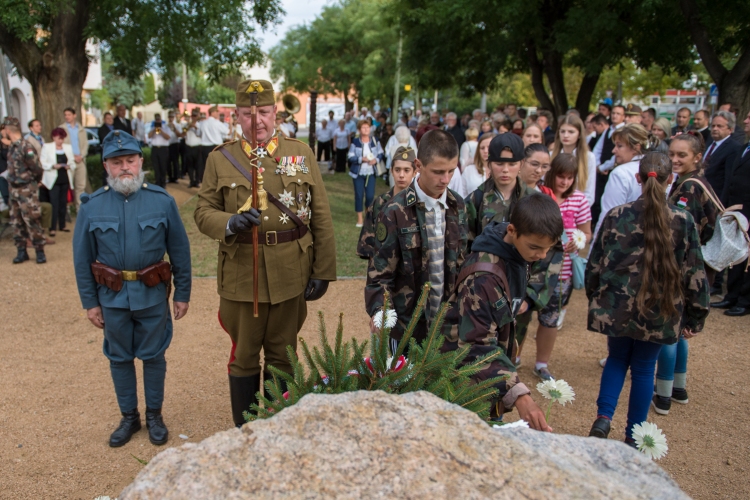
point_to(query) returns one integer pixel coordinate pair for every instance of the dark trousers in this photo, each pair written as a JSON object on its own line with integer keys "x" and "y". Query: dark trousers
{"x": 191, "y": 162}
{"x": 341, "y": 159}
{"x": 738, "y": 285}
{"x": 596, "y": 209}
{"x": 183, "y": 151}
{"x": 160, "y": 161}
{"x": 205, "y": 151}
{"x": 324, "y": 149}
{"x": 58, "y": 197}
{"x": 173, "y": 170}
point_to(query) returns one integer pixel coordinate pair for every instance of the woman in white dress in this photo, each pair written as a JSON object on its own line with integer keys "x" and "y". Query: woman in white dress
{"x": 475, "y": 175}
{"x": 468, "y": 148}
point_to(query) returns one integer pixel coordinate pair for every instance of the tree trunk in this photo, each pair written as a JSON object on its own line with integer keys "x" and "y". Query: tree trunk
{"x": 585, "y": 92}
{"x": 737, "y": 92}
{"x": 537, "y": 76}
{"x": 553, "y": 68}
{"x": 312, "y": 119}
{"x": 57, "y": 72}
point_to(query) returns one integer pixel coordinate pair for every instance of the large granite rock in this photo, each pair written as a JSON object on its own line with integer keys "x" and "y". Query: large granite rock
{"x": 375, "y": 445}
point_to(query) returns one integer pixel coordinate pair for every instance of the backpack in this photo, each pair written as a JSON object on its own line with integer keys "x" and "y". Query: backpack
{"x": 730, "y": 243}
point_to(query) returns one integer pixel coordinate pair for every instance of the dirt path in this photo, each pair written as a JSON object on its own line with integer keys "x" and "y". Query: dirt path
{"x": 57, "y": 405}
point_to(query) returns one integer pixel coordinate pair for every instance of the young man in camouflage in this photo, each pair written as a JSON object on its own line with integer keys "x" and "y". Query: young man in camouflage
{"x": 24, "y": 174}
{"x": 495, "y": 199}
{"x": 491, "y": 292}
{"x": 403, "y": 170}
{"x": 420, "y": 238}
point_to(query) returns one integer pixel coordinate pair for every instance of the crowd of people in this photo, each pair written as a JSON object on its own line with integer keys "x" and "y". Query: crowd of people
{"x": 643, "y": 195}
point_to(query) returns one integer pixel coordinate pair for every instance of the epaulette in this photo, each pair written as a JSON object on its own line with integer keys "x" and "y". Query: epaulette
{"x": 155, "y": 188}
{"x": 222, "y": 145}
{"x": 85, "y": 197}
{"x": 411, "y": 196}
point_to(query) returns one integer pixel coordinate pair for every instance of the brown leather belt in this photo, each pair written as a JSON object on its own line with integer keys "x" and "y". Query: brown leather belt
{"x": 271, "y": 238}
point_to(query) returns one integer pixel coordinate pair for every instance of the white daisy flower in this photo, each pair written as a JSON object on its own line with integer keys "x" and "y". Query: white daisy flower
{"x": 650, "y": 440}
{"x": 286, "y": 198}
{"x": 390, "y": 318}
{"x": 579, "y": 237}
{"x": 556, "y": 390}
{"x": 513, "y": 425}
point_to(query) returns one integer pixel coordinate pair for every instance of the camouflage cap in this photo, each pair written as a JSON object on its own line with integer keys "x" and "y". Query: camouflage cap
{"x": 633, "y": 109}
{"x": 264, "y": 89}
{"x": 12, "y": 121}
{"x": 405, "y": 153}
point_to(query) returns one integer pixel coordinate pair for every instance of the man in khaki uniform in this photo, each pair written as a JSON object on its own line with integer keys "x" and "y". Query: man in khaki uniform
{"x": 296, "y": 254}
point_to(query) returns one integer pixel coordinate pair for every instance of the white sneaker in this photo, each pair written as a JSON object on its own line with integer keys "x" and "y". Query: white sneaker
{"x": 358, "y": 225}
{"x": 560, "y": 319}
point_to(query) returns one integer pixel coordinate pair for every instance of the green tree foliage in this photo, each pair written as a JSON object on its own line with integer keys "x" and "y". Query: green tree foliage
{"x": 349, "y": 48}
{"x": 149, "y": 88}
{"x": 343, "y": 367}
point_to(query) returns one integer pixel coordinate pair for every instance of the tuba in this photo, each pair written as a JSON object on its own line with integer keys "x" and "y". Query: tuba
{"x": 291, "y": 106}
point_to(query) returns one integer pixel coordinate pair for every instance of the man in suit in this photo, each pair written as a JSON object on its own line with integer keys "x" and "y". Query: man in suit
{"x": 107, "y": 127}
{"x": 737, "y": 299}
{"x": 739, "y": 132}
{"x": 720, "y": 154}
{"x": 701, "y": 122}
{"x": 454, "y": 128}
{"x": 122, "y": 123}
{"x": 682, "y": 121}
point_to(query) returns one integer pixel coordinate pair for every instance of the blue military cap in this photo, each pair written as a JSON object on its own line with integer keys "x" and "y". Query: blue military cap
{"x": 120, "y": 143}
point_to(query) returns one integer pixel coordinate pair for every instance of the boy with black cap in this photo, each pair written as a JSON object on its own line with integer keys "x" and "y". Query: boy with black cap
{"x": 403, "y": 170}
{"x": 494, "y": 200}
{"x": 420, "y": 237}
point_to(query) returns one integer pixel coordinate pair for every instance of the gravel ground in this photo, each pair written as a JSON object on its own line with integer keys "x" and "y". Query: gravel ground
{"x": 57, "y": 404}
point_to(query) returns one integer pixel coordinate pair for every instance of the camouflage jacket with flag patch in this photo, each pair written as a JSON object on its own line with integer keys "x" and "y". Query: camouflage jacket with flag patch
{"x": 24, "y": 166}
{"x": 400, "y": 263}
{"x": 693, "y": 198}
{"x": 613, "y": 278}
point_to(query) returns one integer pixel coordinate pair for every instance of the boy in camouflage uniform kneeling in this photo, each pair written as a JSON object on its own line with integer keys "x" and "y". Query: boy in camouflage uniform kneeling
{"x": 491, "y": 291}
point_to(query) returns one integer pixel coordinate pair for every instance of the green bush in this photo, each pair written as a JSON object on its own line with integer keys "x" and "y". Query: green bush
{"x": 94, "y": 168}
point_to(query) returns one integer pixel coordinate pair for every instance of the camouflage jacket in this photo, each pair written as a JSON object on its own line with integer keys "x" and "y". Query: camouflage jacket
{"x": 613, "y": 278}
{"x": 366, "y": 245}
{"x": 690, "y": 196}
{"x": 23, "y": 164}
{"x": 400, "y": 263}
{"x": 485, "y": 205}
{"x": 482, "y": 316}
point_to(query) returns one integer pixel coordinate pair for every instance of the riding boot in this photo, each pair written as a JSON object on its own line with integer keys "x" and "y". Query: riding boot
{"x": 21, "y": 256}
{"x": 242, "y": 391}
{"x": 157, "y": 431}
{"x": 129, "y": 425}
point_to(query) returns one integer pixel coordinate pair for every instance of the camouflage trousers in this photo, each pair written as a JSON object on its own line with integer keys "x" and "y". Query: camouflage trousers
{"x": 26, "y": 215}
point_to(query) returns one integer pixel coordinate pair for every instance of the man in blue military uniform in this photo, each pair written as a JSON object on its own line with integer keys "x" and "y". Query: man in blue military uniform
{"x": 122, "y": 233}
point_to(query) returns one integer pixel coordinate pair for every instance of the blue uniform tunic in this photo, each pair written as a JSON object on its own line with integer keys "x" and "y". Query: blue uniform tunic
{"x": 130, "y": 233}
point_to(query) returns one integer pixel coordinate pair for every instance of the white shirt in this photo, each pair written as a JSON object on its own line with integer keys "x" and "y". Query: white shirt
{"x": 213, "y": 132}
{"x": 599, "y": 146}
{"x": 178, "y": 128}
{"x": 157, "y": 140}
{"x": 466, "y": 155}
{"x": 139, "y": 129}
{"x": 472, "y": 179}
{"x": 622, "y": 187}
{"x": 366, "y": 168}
{"x": 342, "y": 138}
{"x": 434, "y": 204}
{"x": 193, "y": 135}
{"x": 457, "y": 183}
{"x": 324, "y": 134}
{"x": 589, "y": 190}
{"x": 287, "y": 129}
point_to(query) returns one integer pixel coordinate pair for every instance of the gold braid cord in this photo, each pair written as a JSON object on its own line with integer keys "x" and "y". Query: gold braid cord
{"x": 262, "y": 194}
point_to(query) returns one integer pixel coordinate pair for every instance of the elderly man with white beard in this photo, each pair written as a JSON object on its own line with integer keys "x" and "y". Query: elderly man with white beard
{"x": 122, "y": 233}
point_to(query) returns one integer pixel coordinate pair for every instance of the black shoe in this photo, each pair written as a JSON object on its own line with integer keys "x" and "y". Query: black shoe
{"x": 737, "y": 311}
{"x": 129, "y": 425}
{"x": 715, "y": 290}
{"x": 40, "y": 257}
{"x": 631, "y": 442}
{"x": 157, "y": 431}
{"x": 600, "y": 428}
{"x": 267, "y": 376}
{"x": 661, "y": 404}
{"x": 723, "y": 304}
{"x": 679, "y": 396}
{"x": 242, "y": 391}
{"x": 22, "y": 256}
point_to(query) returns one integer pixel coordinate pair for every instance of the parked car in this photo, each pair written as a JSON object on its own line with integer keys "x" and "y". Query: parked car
{"x": 92, "y": 133}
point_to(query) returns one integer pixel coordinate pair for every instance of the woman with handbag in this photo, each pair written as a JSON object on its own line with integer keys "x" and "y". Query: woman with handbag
{"x": 646, "y": 286}
{"x": 58, "y": 162}
{"x": 691, "y": 192}
{"x": 364, "y": 154}
{"x": 576, "y": 214}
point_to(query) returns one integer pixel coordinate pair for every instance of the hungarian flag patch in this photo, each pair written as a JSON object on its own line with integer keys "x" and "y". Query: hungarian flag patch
{"x": 682, "y": 203}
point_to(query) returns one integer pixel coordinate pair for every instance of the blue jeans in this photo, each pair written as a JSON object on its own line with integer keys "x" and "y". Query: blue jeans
{"x": 364, "y": 185}
{"x": 640, "y": 357}
{"x": 672, "y": 359}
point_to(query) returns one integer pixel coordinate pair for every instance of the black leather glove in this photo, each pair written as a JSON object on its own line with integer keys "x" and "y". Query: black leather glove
{"x": 315, "y": 289}
{"x": 244, "y": 222}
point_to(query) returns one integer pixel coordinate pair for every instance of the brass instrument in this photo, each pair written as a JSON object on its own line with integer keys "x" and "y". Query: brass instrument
{"x": 291, "y": 106}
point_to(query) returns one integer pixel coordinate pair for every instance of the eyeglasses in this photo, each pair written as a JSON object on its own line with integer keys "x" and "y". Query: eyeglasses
{"x": 536, "y": 165}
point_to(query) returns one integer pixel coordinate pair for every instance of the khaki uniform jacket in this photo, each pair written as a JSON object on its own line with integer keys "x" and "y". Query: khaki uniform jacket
{"x": 284, "y": 268}
{"x": 83, "y": 140}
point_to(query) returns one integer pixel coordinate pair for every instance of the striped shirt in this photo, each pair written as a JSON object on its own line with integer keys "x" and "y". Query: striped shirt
{"x": 435, "y": 229}
{"x": 575, "y": 211}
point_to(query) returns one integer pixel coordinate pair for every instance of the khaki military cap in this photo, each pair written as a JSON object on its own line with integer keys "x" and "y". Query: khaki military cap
{"x": 405, "y": 153}
{"x": 262, "y": 87}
